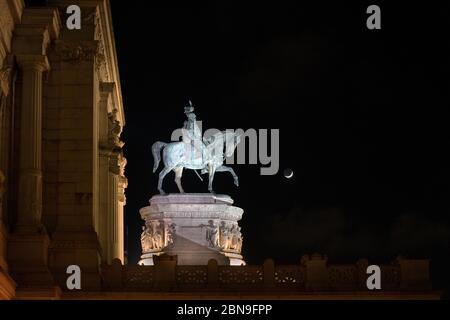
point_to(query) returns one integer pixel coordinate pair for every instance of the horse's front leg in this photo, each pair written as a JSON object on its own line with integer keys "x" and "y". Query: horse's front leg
{"x": 231, "y": 171}
{"x": 178, "y": 174}
{"x": 212, "y": 171}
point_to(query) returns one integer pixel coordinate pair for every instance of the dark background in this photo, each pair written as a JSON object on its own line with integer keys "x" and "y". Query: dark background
{"x": 363, "y": 118}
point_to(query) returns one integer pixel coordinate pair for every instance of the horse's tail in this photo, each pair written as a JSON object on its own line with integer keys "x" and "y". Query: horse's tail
{"x": 156, "y": 151}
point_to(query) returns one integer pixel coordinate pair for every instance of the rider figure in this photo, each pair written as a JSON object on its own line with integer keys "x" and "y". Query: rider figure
{"x": 192, "y": 135}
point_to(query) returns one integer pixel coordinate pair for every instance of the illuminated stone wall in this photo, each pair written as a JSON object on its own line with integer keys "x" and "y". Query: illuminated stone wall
{"x": 61, "y": 161}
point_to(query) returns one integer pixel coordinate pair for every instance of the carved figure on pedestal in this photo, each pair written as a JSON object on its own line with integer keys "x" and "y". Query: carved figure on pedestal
{"x": 224, "y": 236}
{"x": 234, "y": 236}
{"x": 157, "y": 235}
{"x": 212, "y": 234}
{"x": 170, "y": 233}
{"x": 147, "y": 239}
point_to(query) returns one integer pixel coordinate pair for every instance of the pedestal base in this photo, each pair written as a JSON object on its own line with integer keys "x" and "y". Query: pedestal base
{"x": 28, "y": 265}
{"x": 195, "y": 227}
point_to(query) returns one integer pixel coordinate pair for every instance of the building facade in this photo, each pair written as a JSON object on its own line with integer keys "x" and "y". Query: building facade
{"x": 61, "y": 163}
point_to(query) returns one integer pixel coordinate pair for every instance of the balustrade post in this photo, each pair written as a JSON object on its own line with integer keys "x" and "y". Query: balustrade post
{"x": 213, "y": 273}
{"x": 269, "y": 273}
{"x": 165, "y": 271}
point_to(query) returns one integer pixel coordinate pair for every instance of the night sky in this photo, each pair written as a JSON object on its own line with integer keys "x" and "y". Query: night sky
{"x": 363, "y": 118}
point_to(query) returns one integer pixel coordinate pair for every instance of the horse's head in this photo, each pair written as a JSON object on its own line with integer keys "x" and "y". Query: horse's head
{"x": 232, "y": 140}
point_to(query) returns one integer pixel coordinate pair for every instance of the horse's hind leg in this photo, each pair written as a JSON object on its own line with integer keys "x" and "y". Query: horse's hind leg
{"x": 162, "y": 174}
{"x": 178, "y": 174}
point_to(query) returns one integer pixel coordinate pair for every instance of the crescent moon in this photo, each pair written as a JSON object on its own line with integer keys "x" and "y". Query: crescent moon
{"x": 290, "y": 175}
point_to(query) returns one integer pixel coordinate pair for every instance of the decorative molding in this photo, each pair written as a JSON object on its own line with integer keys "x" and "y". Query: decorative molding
{"x": 33, "y": 62}
{"x": 114, "y": 131}
{"x": 195, "y": 214}
{"x": 38, "y": 27}
{"x": 101, "y": 61}
{"x": 76, "y": 52}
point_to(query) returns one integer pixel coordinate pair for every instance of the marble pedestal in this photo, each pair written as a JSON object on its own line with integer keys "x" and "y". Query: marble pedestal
{"x": 196, "y": 227}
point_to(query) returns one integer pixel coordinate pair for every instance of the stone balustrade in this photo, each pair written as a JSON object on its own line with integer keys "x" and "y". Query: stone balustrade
{"x": 313, "y": 274}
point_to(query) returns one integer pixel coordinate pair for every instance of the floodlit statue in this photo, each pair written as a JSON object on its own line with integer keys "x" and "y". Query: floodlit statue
{"x": 195, "y": 153}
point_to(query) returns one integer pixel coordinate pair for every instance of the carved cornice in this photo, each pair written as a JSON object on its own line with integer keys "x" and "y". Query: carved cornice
{"x": 230, "y": 215}
{"x": 43, "y": 16}
{"x": 39, "y": 26}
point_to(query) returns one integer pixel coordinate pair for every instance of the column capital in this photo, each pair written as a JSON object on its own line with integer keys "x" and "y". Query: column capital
{"x": 33, "y": 62}
{"x": 6, "y": 72}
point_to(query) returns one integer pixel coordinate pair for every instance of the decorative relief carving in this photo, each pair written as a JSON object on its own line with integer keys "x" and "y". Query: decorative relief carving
{"x": 100, "y": 62}
{"x": 230, "y": 237}
{"x": 152, "y": 236}
{"x": 157, "y": 234}
{"x": 123, "y": 181}
{"x": 226, "y": 237}
{"x": 114, "y": 131}
{"x": 76, "y": 52}
{"x": 170, "y": 232}
{"x": 212, "y": 234}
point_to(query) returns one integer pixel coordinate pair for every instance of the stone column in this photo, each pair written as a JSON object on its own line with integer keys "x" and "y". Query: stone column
{"x": 7, "y": 285}
{"x": 3, "y": 264}
{"x": 30, "y": 167}
{"x": 4, "y": 154}
{"x": 112, "y": 181}
{"x": 28, "y": 244}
